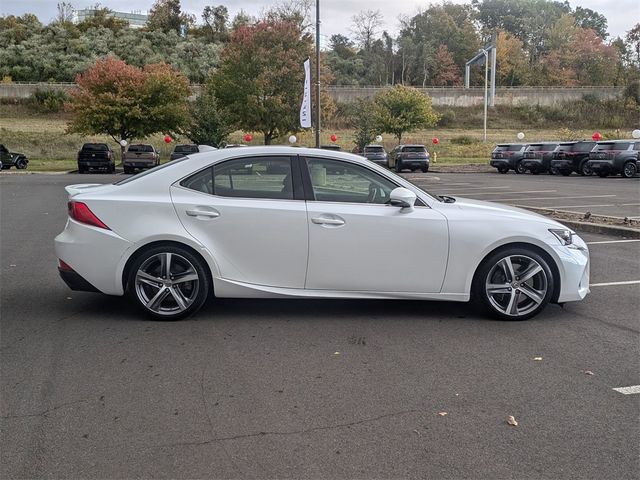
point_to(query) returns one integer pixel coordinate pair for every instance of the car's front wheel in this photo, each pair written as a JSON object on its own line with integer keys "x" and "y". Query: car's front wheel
{"x": 513, "y": 284}
{"x": 21, "y": 164}
{"x": 584, "y": 168}
{"x": 520, "y": 168}
{"x": 169, "y": 282}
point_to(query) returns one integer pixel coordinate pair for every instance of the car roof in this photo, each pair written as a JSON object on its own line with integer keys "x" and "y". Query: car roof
{"x": 411, "y": 145}
{"x": 374, "y": 145}
{"x": 510, "y": 144}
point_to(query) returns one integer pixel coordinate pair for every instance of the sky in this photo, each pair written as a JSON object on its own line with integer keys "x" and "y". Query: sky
{"x": 335, "y": 14}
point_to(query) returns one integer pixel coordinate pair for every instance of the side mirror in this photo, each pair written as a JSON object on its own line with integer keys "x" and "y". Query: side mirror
{"x": 403, "y": 198}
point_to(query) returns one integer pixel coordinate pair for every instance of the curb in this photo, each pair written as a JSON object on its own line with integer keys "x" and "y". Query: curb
{"x": 588, "y": 227}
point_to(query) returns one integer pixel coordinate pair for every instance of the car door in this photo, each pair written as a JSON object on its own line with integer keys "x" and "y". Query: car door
{"x": 358, "y": 242}
{"x": 245, "y": 212}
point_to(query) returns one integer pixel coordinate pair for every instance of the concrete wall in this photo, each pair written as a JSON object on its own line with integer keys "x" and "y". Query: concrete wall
{"x": 461, "y": 97}
{"x": 454, "y": 96}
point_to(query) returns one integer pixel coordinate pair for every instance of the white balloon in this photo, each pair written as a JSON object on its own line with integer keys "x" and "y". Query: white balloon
{"x": 378, "y": 138}
{"x": 293, "y": 139}
{"x": 635, "y": 133}
{"x": 520, "y": 135}
{"x": 123, "y": 143}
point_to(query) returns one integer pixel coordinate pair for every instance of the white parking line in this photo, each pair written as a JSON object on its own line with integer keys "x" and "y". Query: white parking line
{"x": 548, "y": 198}
{"x": 633, "y": 389}
{"x": 612, "y": 241}
{"x": 610, "y": 284}
{"x": 497, "y": 193}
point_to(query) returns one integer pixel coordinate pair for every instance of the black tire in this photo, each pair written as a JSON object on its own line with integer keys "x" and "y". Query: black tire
{"x": 127, "y": 170}
{"x": 200, "y": 290}
{"x": 629, "y": 169}
{"x": 584, "y": 169}
{"x": 603, "y": 174}
{"x": 503, "y": 170}
{"x": 490, "y": 267}
{"x": 424, "y": 169}
{"x": 554, "y": 171}
{"x": 398, "y": 166}
{"x": 21, "y": 163}
{"x": 112, "y": 168}
{"x": 565, "y": 173}
{"x": 82, "y": 170}
{"x": 535, "y": 172}
{"x": 520, "y": 168}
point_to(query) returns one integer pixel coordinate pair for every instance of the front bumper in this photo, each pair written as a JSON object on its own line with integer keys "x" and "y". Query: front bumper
{"x": 562, "y": 164}
{"x": 499, "y": 163}
{"x": 574, "y": 270}
{"x": 533, "y": 165}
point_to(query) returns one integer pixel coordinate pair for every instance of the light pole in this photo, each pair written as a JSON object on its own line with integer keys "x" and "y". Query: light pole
{"x": 486, "y": 88}
{"x": 317, "y": 73}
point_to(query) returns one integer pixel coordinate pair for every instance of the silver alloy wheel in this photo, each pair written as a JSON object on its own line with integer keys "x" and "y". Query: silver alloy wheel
{"x": 167, "y": 283}
{"x": 516, "y": 285}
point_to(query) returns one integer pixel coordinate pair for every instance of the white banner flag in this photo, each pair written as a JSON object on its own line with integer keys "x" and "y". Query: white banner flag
{"x": 305, "y": 108}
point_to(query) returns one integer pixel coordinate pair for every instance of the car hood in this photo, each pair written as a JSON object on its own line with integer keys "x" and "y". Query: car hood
{"x": 484, "y": 208}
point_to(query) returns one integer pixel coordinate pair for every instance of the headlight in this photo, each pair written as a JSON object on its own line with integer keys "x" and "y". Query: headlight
{"x": 563, "y": 234}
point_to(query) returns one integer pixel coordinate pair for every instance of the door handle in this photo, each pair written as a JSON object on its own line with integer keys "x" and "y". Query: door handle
{"x": 203, "y": 213}
{"x": 327, "y": 221}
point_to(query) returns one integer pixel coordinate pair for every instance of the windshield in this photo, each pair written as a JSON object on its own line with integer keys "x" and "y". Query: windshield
{"x": 186, "y": 149}
{"x": 612, "y": 146}
{"x": 416, "y": 149}
{"x": 152, "y": 170}
{"x": 140, "y": 148}
{"x": 373, "y": 150}
{"x": 96, "y": 147}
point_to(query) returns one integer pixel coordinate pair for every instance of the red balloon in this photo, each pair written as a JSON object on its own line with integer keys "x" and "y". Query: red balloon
{"x": 334, "y": 138}
{"x": 167, "y": 139}
{"x": 247, "y": 137}
{"x": 596, "y": 136}
{"x": 435, "y": 140}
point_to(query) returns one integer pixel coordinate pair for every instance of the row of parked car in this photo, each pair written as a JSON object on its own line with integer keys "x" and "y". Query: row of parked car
{"x": 138, "y": 156}
{"x": 402, "y": 157}
{"x": 585, "y": 157}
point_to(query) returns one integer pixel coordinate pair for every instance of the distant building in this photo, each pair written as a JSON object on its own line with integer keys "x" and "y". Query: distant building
{"x": 135, "y": 19}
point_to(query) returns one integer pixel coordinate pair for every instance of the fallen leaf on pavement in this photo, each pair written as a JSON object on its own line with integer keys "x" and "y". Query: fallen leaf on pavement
{"x": 512, "y": 421}
{"x": 443, "y": 414}
{"x": 588, "y": 372}
{"x": 336, "y": 353}
{"x": 537, "y": 358}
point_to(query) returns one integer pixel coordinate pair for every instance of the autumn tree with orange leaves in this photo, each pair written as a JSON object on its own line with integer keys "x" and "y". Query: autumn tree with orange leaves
{"x": 126, "y": 102}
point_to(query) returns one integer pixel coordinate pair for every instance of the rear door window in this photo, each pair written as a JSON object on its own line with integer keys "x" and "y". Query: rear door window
{"x": 254, "y": 177}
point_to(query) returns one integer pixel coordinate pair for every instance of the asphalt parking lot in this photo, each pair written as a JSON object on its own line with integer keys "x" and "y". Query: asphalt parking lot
{"x": 316, "y": 389}
{"x": 611, "y": 196}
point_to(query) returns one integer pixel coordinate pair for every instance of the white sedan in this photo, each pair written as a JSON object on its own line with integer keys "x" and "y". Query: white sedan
{"x": 295, "y": 222}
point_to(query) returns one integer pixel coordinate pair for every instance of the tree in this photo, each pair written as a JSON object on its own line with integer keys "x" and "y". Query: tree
{"x": 399, "y": 109}
{"x": 64, "y": 13}
{"x": 208, "y": 125}
{"x": 167, "y": 16}
{"x": 512, "y": 65}
{"x": 127, "y": 102}
{"x": 447, "y": 73}
{"x": 216, "y": 19}
{"x": 260, "y": 79}
{"x": 365, "y": 26}
{"x": 361, "y": 120}
{"x": 587, "y": 18}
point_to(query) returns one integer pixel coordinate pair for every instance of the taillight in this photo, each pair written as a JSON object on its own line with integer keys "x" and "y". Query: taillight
{"x": 80, "y": 212}
{"x": 64, "y": 266}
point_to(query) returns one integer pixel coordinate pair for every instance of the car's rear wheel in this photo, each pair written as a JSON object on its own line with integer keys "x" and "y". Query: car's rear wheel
{"x": 21, "y": 164}
{"x": 169, "y": 282}
{"x": 584, "y": 168}
{"x": 513, "y": 284}
{"x": 519, "y": 167}
{"x": 424, "y": 169}
{"x": 629, "y": 170}
{"x": 398, "y": 166}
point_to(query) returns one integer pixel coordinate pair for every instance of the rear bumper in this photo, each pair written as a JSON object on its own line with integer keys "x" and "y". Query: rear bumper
{"x": 138, "y": 163}
{"x": 100, "y": 163}
{"x": 499, "y": 163}
{"x": 95, "y": 255}
{"x": 75, "y": 282}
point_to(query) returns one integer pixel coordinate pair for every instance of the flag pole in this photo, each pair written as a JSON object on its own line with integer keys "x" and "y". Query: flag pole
{"x": 317, "y": 73}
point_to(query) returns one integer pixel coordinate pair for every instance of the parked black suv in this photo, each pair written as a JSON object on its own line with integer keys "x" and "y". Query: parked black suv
{"x": 411, "y": 157}
{"x": 615, "y": 157}
{"x": 376, "y": 154}
{"x": 537, "y": 157}
{"x": 508, "y": 156}
{"x": 98, "y": 156}
{"x": 12, "y": 159}
{"x": 572, "y": 157}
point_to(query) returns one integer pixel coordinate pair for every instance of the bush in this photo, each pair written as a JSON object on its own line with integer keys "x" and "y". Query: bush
{"x": 48, "y": 101}
{"x": 463, "y": 140}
